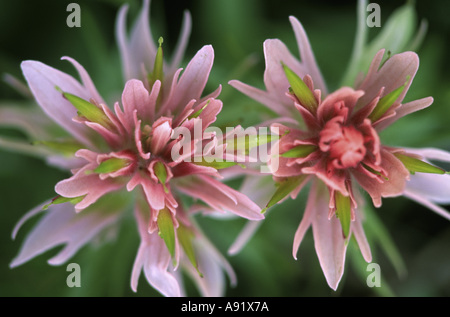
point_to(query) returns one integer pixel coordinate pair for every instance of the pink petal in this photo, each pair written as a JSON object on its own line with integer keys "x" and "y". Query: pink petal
{"x": 261, "y": 96}
{"x": 90, "y": 185}
{"x": 187, "y": 168}
{"x": 404, "y": 110}
{"x": 155, "y": 259}
{"x": 329, "y": 241}
{"x": 307, "y": 56}
{"x": 346, "y": 95}
{"x": 136, "y": 97}
{"x": 311, "y": 206}
{"x": 154, "y": 193}
{"x": 161, "y": 135}
{"x": 62, "y": 225}
{"x": 42, "y": 80}
{"x": 396, "y": 172}
{"x": 211, "y": 264}
{"x": 180, "y": 48}
{"x": 360, "y": 236}
{"x": 86, "y": 80}
{"x": 423, "y": 200}
{"x": 142, "y": 47}
{"x": 433, "y": 187}
{"x": 193, "y": 80}
{"x": 220, "y": 197}
{"x": 396, "y": 71}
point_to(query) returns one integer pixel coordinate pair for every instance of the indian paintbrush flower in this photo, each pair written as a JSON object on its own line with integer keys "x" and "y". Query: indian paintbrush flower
{"x": 123, "y": 155}
{"x": 331, "y": 140}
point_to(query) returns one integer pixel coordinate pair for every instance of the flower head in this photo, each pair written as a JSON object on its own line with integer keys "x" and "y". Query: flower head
{"x": 332, "y": 140}
{"x": 146, "y": 151}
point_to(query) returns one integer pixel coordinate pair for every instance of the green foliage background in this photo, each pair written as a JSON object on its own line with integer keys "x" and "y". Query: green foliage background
{"x": 236, "y": 28}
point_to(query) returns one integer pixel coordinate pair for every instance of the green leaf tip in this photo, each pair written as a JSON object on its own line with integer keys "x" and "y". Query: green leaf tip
{"x": 343, "y": 212}
{"x": 161, "y": 173}
{"x": 61, "y": 200}
{"x": 284, "y": 189}
{"x": 299, "y": 151}
{"x": 111, "y": 165}
{"x": 415, "y": 165}
{"x": 385, "y": 103}
{"x": 88, "y": 110}
{"x": 298, "y": 87}
{"x": 166, "y": 229}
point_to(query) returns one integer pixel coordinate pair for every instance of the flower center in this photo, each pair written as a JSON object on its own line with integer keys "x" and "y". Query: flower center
{"x": 344, "y": 144}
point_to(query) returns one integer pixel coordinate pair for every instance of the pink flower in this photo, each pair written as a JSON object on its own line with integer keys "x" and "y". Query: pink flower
{"x": 334, "y": 144}
{"x": 130, "y": 148}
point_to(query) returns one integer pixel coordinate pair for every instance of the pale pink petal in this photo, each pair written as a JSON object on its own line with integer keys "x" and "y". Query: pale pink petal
{"x": 311, "y": 207}
{"x": 62, "y": 225}
{"x": 154, "y": 257}
{"x": 427, "y": 203}
{"x": 142, "y": 47}
{"x": 395, "y": 72}
{"x": 220, "y": 197}
{"x": 211, "y": 264}
{"x": 329, "y": 240}
{"x": 258, "y": 188}
{"x": 121, "y": 36}
{"x": 193, "y": 80}
{"x": 275, "y": 79}
{"x": 88, "y": 184}
{"x": 86, "y": 80}
{"x": 42, "y": 80}
{"x": 30, "y": 120}
{"x": 180, "y": 48}
{"x": 361, "y": 239}
{"x": 307, "y": 55}
{"x": 261, "y": 96}
{"x": 431, "y": 153}
{"x": 433, "y": 187}
{"x": 404, "y": 110}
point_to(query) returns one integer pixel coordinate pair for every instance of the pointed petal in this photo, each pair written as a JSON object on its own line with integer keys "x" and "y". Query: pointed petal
{"x": 427, "y": 203}
{"x": 404, "y": 110}
{"x": 42, "y": 80}
{"x": 220, "y": 197}
{"x": 307, "y": 55}
{"x": 329, "y": 241}
{"x": 136, "y": 97}
{"x": 89, "y": 185}
{"x": 361, "y": 239}
{"x": 182, "y": 43}
{"x": 261, "y": 96}
{"x": 141, "y": 45}
{"x": 62, "y": 225}
{"x": 211, "y": 264}
{"x": 193, "y": 80}
{"x": 154, "y": 258}
{"x": 86, "y": 80}
{"x": 397, "y": 70}
{"x": 396, "y": 172}
{"x": 311, "y": 206}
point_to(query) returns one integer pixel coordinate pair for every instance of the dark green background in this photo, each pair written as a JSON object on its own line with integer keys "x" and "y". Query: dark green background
{"x": 236, "y": 29}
